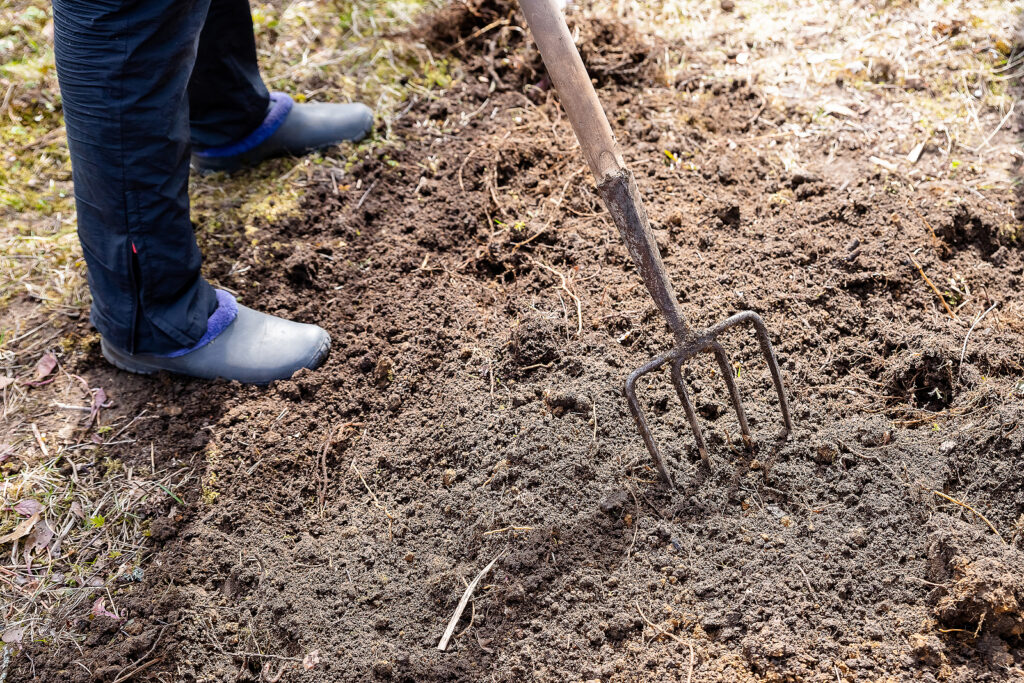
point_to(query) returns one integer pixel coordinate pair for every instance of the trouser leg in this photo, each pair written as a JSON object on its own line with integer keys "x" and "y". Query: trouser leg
{"x": 123, "y": 67}
{"x": 227, "y": 96}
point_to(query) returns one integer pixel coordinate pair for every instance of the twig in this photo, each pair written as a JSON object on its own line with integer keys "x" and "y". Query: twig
{"x": 137, "y": 670}
{"x": 476, "y": 33}
{"x": 507, "y": 528}
{"x": 993, "y": 133}
{"x": 39, "y": 440}
{"x": 965, "y": 505}
{"x": 322, "y": 488}
{"x": 963, "y": 351}
{"x": 932, "y": 285}
{"x": 124, "y": 677}
{"x": 366, "y": 194}
{"x": 565, "y": 287}
{"x": 7, "y": 101}
{"x": 661, "y": 631}
{"x": 462, "y": 166}
{"x": 376, "y": 500}
{"x": 453, "y": 622}
{"x": 935, "y": 239}
{"x": 657, "y": 628}
{"x": 809, "y": 587}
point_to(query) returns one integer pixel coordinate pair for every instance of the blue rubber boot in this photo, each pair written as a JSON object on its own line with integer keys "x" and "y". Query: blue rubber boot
{"x": 240, "y": 344}
{"x": 290, "y": 128}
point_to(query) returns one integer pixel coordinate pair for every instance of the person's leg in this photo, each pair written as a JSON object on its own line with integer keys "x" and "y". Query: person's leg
{"x": 123, "y": 68}
{"x": 227, "y": 97}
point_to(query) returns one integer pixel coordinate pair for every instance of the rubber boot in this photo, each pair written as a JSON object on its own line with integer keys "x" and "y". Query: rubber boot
{"x": 254, "y": 348}
{"x": 290, "y": 128}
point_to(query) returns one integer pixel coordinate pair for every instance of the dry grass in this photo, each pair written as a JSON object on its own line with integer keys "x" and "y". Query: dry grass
{"x": 51, "y": 450}
{"x": 936, "y": 73}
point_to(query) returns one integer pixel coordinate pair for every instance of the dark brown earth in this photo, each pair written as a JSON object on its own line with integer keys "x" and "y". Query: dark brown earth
{"x": 484, "y": 317}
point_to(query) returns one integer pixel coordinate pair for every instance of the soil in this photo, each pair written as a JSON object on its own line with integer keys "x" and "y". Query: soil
{"x": 485, "y": 315}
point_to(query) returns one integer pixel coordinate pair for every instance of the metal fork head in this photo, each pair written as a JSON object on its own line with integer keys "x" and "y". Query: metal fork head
{"x": 706, "y": 341}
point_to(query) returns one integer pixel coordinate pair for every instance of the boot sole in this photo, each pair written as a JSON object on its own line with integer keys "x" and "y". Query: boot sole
{"x": 120, "y": 364}
{"x": 318, "y": 358}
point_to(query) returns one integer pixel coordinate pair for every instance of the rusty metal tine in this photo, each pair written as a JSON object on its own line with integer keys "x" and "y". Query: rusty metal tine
{"x": 734, "y": 392}
{"x": 641, "y": 423}
{"x": 684, "y": 398}
{"x": 773, "y": 366}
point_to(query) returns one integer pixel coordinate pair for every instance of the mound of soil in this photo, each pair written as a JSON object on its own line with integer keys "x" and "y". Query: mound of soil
{"x": 484, "y": 317}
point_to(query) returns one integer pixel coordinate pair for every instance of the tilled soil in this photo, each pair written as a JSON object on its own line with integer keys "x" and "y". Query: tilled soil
{"x": 484, "y": 316}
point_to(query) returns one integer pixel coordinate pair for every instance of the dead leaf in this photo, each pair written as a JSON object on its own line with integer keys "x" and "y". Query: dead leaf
{"x": 28, "y": 507}
{"x": 6, "y": 382}
{"x": 99, "y": 610}
{"x": 311, "y": 660}
{"x": 99, "y": 400}
{"x": 13, "y": 635}
{"x": 39, "y": 539}
{"x": 45, "y": 365}
{"x": 21, "y": 530}
{"x": 6, "y": 452}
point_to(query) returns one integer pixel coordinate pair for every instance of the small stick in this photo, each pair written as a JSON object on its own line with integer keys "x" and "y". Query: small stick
{"x": 322, "y": 488}
{"x": 935, "y": 239}
{"x": 565, "y": 286}
{"x": 462, "y": 166}
{"x": 366, "y": 194}
{"x": 689, "y": 673}
{"x": 965, "y": 505}
{"x": 809, "y": 587}
{"x": 660, "y": 630}
{"x": 137, "y": 670}
{"x": 376, "y": 500}
{"x": 932, "y": 285}
{"x": 125, "y": 676}
{"x": 453, "y": 622}
{"x": 474, "y": 34}
{"x": 508, "y": 528}
{"x": 39, "y": 440}
{"x": 963, "y": 351}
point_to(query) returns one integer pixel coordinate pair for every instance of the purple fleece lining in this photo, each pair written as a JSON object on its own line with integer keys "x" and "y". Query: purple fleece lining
{"x": 280, "y": 106}
{"x": 227, "y": 311}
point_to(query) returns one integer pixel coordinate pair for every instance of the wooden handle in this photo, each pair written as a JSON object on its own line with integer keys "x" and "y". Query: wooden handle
{"x": 576, "y": 92}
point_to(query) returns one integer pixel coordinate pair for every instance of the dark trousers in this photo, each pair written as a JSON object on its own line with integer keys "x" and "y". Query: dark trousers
{"x": 141, "y": 81}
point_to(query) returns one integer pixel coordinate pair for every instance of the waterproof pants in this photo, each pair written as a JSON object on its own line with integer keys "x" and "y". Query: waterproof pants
{"x": 141, "y": 81}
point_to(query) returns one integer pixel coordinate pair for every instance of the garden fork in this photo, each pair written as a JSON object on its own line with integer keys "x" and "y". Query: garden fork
{"x": 617, "y": 188}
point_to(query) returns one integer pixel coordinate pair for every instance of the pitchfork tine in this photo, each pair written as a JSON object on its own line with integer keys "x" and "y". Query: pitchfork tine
{"x": 773, "y": 366}
{"x": 734, "y": 392}
{"x": 684, "y": 398}
{"x": 641, "y": 422}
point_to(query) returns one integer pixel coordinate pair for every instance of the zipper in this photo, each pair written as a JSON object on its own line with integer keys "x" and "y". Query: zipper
{"x": 136, "y": 278}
